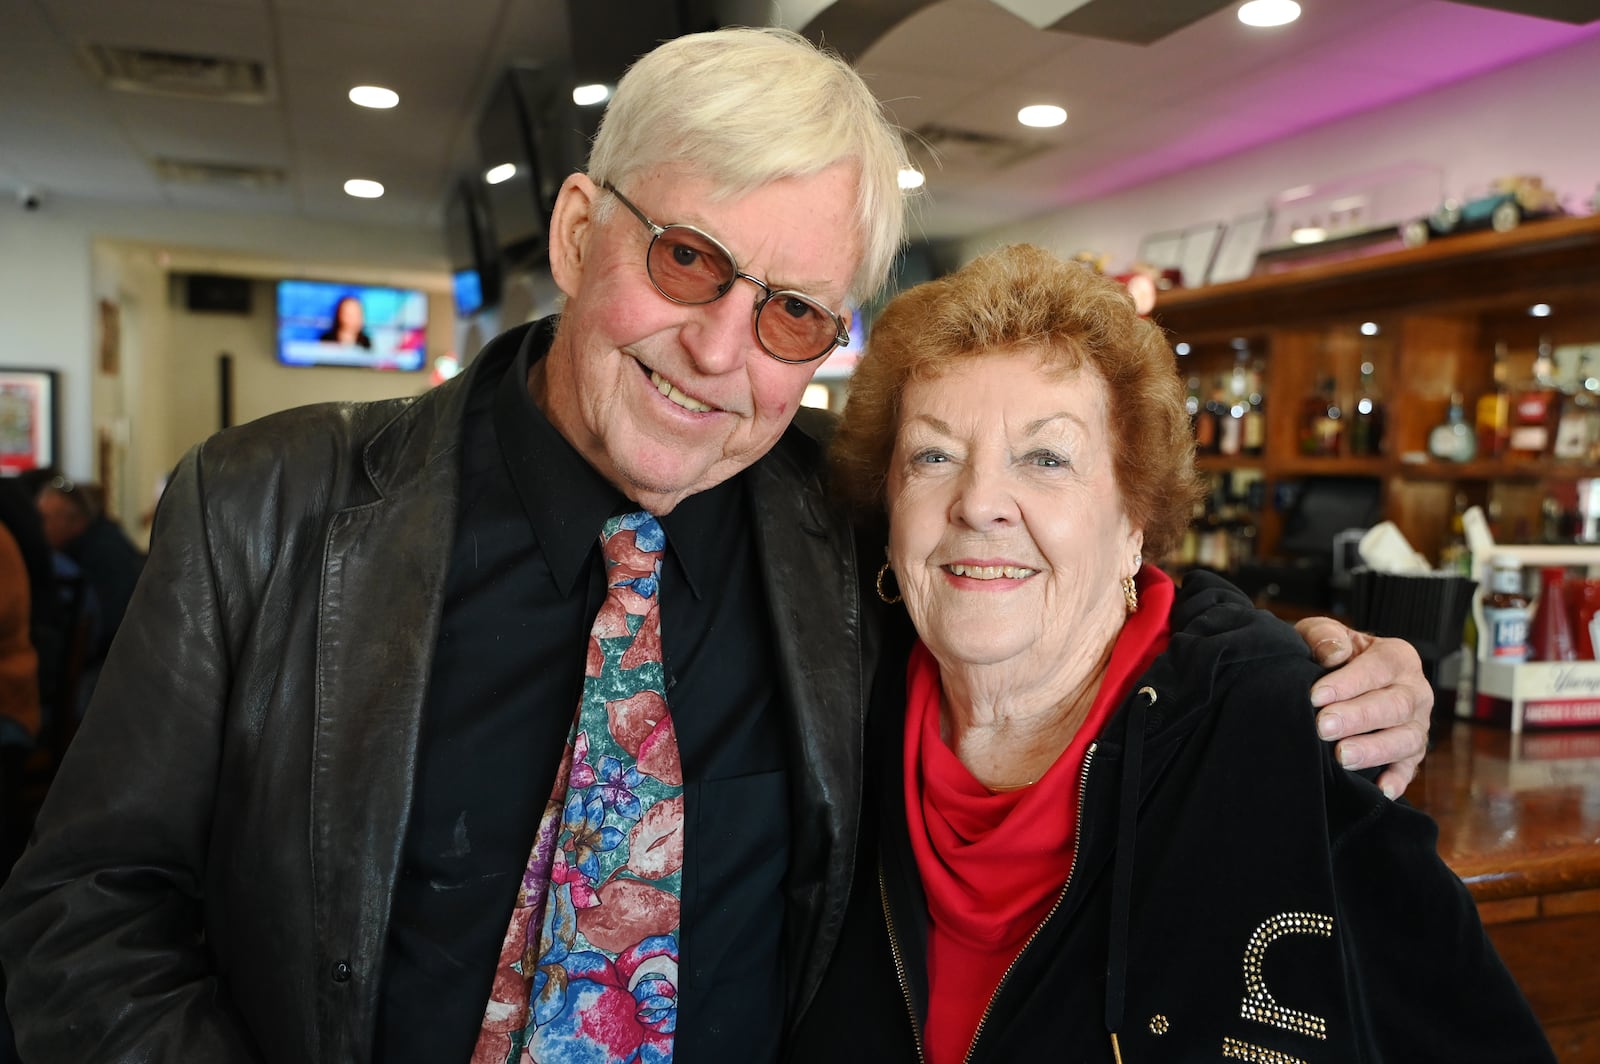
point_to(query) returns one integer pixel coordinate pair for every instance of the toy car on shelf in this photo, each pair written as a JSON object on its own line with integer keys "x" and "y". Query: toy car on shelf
{"x": 1510, "y": 202}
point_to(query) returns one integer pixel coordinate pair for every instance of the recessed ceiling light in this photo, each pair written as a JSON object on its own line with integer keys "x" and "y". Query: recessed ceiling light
{"x": 504, "y": 172}
{"x": 1309, "y": 234}
{"x": 1369, "y": 328}
{"x": 1042, "y": 115}
{"x": 374, "y": 96}
{"x": 589, "y": 95}
{"x": 1181, "y": 348}
{"x": 1539, "y": 310}
{"x": 911, "y": 178}
{"x": 361, "y": 188}
{"x": 1265, "y": 13}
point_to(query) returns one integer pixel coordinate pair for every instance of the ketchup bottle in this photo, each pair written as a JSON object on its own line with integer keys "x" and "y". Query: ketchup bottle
{"x": 1550, "y": 635}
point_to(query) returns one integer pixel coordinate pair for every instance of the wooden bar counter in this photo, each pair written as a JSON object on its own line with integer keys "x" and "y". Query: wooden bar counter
{"x": 1519, "y": 822}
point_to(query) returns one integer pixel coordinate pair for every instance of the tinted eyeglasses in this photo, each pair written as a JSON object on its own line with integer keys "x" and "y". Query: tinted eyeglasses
{"x": 692, "y": 267}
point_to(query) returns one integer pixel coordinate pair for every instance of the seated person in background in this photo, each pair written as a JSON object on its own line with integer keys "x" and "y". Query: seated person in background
{"x": 19, "y": 697}
{"x": 349, "y": 321}
{"x": 77, "y": 527}
{"x": 49, "y": 624}
{"x": 1097, "y": 803}
{"x": 19, "y": 665}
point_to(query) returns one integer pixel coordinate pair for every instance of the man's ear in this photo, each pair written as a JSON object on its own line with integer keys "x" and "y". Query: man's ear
{"x": 570, "y": 226}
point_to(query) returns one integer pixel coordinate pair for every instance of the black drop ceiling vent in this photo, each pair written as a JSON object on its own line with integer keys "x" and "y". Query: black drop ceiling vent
{"x": 1135, "y": 23}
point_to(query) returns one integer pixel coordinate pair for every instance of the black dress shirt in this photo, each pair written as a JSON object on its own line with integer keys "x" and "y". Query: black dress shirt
{"x": 526, "y": 580}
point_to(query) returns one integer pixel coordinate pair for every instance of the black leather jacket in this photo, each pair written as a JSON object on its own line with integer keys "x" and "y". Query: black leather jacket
{"x": 214, "y": 866}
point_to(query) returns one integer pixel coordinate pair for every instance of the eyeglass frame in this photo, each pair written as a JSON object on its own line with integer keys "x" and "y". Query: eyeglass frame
{"x": 841, "y": 331}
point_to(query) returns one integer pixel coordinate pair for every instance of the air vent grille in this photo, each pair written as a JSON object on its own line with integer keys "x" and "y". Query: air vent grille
{"x": 195, "y": 77}
{"x": 951, "y": 149}
{"x": 227, "y": 175}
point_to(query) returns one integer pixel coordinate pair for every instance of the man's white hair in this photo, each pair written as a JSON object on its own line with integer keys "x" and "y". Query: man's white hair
{"x": 743, "y": 107}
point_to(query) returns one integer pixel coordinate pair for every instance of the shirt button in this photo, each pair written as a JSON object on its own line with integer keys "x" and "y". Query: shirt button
{"x": 341, "y": 971}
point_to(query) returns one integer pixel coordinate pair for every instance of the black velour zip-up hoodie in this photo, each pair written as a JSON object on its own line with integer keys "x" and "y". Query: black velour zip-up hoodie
{"x": 1273, "y": 907}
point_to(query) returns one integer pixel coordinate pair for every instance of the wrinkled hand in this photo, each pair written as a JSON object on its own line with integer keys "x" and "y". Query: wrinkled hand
{"x": 1376, "y": 706}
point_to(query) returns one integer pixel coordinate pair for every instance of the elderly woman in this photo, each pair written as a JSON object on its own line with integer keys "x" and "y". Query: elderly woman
{"x": 1098, "y": 810}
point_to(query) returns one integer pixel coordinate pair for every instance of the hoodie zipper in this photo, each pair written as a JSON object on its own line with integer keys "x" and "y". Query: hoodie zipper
{"x": 1077, "y": 841}
{"x": 894, "y": 941}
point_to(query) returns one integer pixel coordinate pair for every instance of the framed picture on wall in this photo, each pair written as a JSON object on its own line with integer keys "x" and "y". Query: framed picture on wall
{"x": 29, "y": 420}
{"x": 1236, "y": 257}
{"x": 1198, "y": 249}
{"x": 1164, "y": 251}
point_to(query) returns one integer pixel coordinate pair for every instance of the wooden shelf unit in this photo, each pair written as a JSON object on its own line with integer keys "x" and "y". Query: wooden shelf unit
{"x": 1441, "y": 309}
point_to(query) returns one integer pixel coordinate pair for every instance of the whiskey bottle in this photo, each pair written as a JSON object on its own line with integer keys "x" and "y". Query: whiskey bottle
{"x": 1453, "y": 439}
{"x": 1321, "y": 421}
{"x": 1255, "y": 414}
{"x": 1534, "y": 408}
{"x": 1494, "y": 410}
{"x": 1366, "y": 426}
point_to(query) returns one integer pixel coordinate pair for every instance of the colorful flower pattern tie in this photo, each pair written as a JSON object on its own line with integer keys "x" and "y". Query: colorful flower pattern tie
{"x": 588, "y": 970}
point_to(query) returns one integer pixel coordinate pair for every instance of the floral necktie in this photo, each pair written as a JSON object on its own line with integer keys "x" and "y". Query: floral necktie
{"x": 589, "y": 966}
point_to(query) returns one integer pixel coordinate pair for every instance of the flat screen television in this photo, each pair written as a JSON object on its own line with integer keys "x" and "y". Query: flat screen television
{"x": 326, "y": 323}
{"x": 474, "y": 255}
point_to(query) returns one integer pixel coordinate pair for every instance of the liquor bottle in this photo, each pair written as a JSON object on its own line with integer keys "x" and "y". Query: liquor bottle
{"x": 1230, "y": 413}
{"x": 1366, "y": 427}
{"x": 1550, "y": 634}
{"x": 1494, "y": 410}
{"x": 1205, "y": 423}
{"x": 1321, "y": 421}
{"x": 1191, "y": 403}
{"x": 1505, "y": 610}
{"x": 1453, "y": 440}
{"x": 1579, "y": 420}
{"x": 1455, "y": 556}
{"x": 1571, "y": 443}
{"x": 1589, "y": 387}
{"x": 1534, "y": 408}
{"x": 1255, "y": 414}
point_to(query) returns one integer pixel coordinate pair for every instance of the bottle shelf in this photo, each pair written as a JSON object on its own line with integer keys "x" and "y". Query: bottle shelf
{"x": 1451, "y": 317}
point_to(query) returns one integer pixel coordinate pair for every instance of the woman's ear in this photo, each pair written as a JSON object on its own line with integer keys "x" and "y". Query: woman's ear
{"x": 570, "y": 225}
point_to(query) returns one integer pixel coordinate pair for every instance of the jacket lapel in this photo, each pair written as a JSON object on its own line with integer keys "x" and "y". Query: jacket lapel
{"x": 383, "y": 579}
{"x": 824, "y": 650}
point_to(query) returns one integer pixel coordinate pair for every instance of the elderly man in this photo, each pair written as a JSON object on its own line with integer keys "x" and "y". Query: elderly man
{"x": 520, "y": 721}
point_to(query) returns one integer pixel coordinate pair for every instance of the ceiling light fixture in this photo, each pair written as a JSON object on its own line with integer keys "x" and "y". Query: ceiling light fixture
{"x": 1042, "y": 115}
{"x": 1369, "y": 328}
{"x": 504, "y": 172}
{"x": 1266, "y": 13}
{"x": 911, "y": 178}
{"x": 375, "y": 96}
{"x": 1539, "y": 310}
{"x": 361, "y": 188}
{"x": 1308, "y": 234}
{"x": 589, "y": 95}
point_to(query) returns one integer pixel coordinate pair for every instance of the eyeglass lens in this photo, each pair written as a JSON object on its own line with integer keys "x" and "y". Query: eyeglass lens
{"x": 689, "y": 267}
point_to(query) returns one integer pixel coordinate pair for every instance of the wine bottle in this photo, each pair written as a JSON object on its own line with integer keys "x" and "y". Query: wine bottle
{"x": 1453, "y": 439}
{"x": 1366, "y": 427}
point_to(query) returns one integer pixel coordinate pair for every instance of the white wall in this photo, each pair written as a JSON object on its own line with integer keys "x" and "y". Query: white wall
{"x": 1541, "y": 117}
{"x": 58, "y": 263}
{"x": 48, "y": 287}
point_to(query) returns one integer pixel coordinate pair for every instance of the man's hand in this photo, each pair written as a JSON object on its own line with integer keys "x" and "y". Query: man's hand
{"x": 1376, "y": 707}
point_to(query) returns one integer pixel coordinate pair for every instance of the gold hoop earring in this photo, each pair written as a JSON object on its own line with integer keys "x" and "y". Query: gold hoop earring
{"x": 1130, "y": 594}
{"x": 883, "y": 571}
